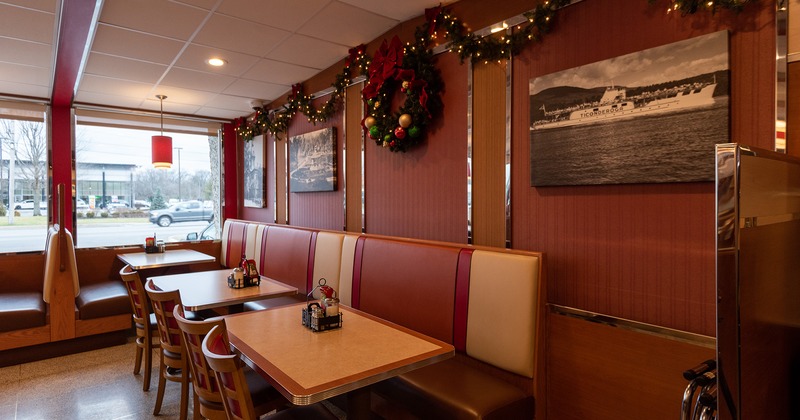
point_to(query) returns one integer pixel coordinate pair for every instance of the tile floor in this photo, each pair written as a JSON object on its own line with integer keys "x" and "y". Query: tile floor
{"x": 97, "y": 384}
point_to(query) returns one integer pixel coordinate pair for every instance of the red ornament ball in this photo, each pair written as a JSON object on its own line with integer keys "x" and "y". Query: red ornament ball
{"x": 400, "y": 133}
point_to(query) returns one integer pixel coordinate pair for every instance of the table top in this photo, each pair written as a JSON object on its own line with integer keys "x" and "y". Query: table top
{"x": 307, "y": 367}
{"x": 143, "y": 260}
{"x": 209, "y": 289}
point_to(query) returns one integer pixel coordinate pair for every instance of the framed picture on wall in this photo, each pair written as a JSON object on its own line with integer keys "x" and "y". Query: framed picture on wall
{"x": 312, "y": 161}
{"x": 652, "y": 116}
{"x": 254, "y": 195}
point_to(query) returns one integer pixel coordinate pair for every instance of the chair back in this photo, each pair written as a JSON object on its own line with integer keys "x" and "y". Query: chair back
{"x": 227, "y": 368}
{"x": 136, "y": 294}
{"x": 203, "y": 379}
{"x": 163, "y": 303}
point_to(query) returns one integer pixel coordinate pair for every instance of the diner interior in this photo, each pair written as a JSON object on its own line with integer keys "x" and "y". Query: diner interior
{"x": 562, "y": 209}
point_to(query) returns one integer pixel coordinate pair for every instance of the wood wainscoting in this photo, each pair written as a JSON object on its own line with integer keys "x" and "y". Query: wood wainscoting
{"x": 603, "y": 368}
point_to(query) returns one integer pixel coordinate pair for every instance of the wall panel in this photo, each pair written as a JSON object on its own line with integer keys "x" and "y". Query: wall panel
{"x": 642, "y": 252}
{"x": 488, "y": 154}
{"x": 354, "y": 141}
{"x": 422, "y": 193}
{"x": 322, "y": 210}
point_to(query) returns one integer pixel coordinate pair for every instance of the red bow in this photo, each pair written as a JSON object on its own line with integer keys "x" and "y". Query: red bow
{"x": 354, "y": 52}
{"x": 384, "y": 65}
{"x": 297, "y": 90}
{"x": 431, "y": 15}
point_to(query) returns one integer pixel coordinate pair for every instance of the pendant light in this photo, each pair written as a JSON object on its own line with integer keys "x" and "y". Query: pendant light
{"x": 162, "y": 145}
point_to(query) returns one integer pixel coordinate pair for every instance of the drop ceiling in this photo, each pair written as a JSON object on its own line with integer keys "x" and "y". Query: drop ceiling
{"x": 140, "y": 48}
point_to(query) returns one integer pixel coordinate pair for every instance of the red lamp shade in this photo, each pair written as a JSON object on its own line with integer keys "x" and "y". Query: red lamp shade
{"x": 162, "y": 152}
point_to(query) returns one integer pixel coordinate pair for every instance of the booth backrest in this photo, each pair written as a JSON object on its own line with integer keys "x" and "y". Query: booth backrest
{"x": 502, "y": 311}
{"x": 52, "y": 261}
{"x": 486, "y": 301}
{"x": 410, "y": 284}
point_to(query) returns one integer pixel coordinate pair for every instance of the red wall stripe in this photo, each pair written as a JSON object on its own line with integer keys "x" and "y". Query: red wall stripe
{"x": 355, "y": 300}
{"x": 310, "y": 283}
{"x": 461, "y": 307}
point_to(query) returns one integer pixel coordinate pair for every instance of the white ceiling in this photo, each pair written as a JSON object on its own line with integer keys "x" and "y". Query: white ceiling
{"x": 141, "y": 48}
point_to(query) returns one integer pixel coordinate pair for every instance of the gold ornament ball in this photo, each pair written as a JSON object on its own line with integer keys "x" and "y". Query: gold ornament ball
{"x": 385, "y": 143}
{"x": 404, "y": 120}
{"x": 377, "y": 104}
{"x": 405, "y": 84}
{"x": 369, "y": 122}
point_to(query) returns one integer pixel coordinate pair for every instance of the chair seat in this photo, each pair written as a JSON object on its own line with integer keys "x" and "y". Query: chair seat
{"x": 22, "y": 310}
{"x": 451, "y": 389}
{"x": 259, "y": 305}
{"x": 103, "y": 299}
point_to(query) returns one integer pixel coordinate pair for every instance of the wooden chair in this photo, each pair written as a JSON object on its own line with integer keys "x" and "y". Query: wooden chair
{"x": 234, "y": 389}
{"x": 145, "y": 322}
{"x": 173, "y": 365}
{"x": 207, "y": 398}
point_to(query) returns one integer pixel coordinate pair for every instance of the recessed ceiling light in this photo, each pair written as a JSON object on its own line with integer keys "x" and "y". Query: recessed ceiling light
{"x": 216, "y": 62}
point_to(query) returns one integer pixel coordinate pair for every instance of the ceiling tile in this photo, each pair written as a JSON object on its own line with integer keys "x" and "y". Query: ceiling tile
{"x": 110, "y": 100}
{"x": 398, "y": 10}
{"x": 256, "y": 90}
{"x": 238, "y": 35}
{"x": 347, "y": 25}
{"x": 309, "y": 52}
{"x": 194, "y": 58}
{"x": 231, "y": 102}
{"x": 125, "y": 43}
{"x": 177, "y": 95}
{"x": 170, "y": 106}
{"x": 28, "y": 53}
{"x": 273, "y": 13}
{"x": 122, "y": 68}
{"x": 27, "y": 24}
{"x": 118, "y": 87}
{"x": 29, "y": 75}
{"x": 221, "y": 113}
{"x": 156, "y": 17}
{"x": 41, "y": 5}
{"x": 22, "y": 89}
{"x": 278, "y": 72}
{"x": 203, "y": 4}
{"x": 196, "y": 79}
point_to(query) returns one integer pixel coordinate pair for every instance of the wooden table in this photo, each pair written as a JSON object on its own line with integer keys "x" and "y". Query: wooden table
{"x": 307, "y": 366}
{"x": 209, "y": 289}
{"x": 144, "y": 261}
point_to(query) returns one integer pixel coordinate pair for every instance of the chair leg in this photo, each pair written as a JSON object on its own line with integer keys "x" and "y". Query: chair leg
{"x": 195, "y": 406}
{"x": 148, "y": 362}
{"x": 137, "y": 362}
{"x": 162, "y": 380}
{"x": 184, "y": 393}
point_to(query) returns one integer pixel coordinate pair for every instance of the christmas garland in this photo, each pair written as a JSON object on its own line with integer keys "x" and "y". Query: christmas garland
{"x": 413, "y": 72}
{"x": 276, "y": 121}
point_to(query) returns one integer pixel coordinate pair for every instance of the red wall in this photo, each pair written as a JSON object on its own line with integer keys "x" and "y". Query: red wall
{"x": 643, "y": 252}
{"x": 423, "y": 193}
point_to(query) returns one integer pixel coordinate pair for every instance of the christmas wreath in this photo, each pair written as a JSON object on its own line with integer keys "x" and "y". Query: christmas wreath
{"x": 409, "y": 69}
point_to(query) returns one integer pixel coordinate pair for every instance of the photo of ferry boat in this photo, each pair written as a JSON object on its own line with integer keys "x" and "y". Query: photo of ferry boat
{"x": 587, "y": 123}
{"x": 312, "y": 161}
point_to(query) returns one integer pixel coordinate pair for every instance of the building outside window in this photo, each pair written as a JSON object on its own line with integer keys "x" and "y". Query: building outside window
{"x": 24, "y": 182}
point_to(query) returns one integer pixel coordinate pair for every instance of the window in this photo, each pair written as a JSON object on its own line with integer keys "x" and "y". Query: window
{"x": 121, "y": 199}
{"x": 23, "y": 177}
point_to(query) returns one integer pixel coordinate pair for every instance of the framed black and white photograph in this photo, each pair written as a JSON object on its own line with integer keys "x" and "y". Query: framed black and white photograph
{"x": 652, "y": 116}
{"x": 312, "y": 161}
{"x": 254, "y": 173}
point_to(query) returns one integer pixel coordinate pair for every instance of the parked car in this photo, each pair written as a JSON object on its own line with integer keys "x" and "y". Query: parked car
{"x": 81, "y": 205}
{"x": 141, "y": 204}
{"x": 28, "y": 205}
{"x": 209, "y": 233}
{"x": 185, "y": 211}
